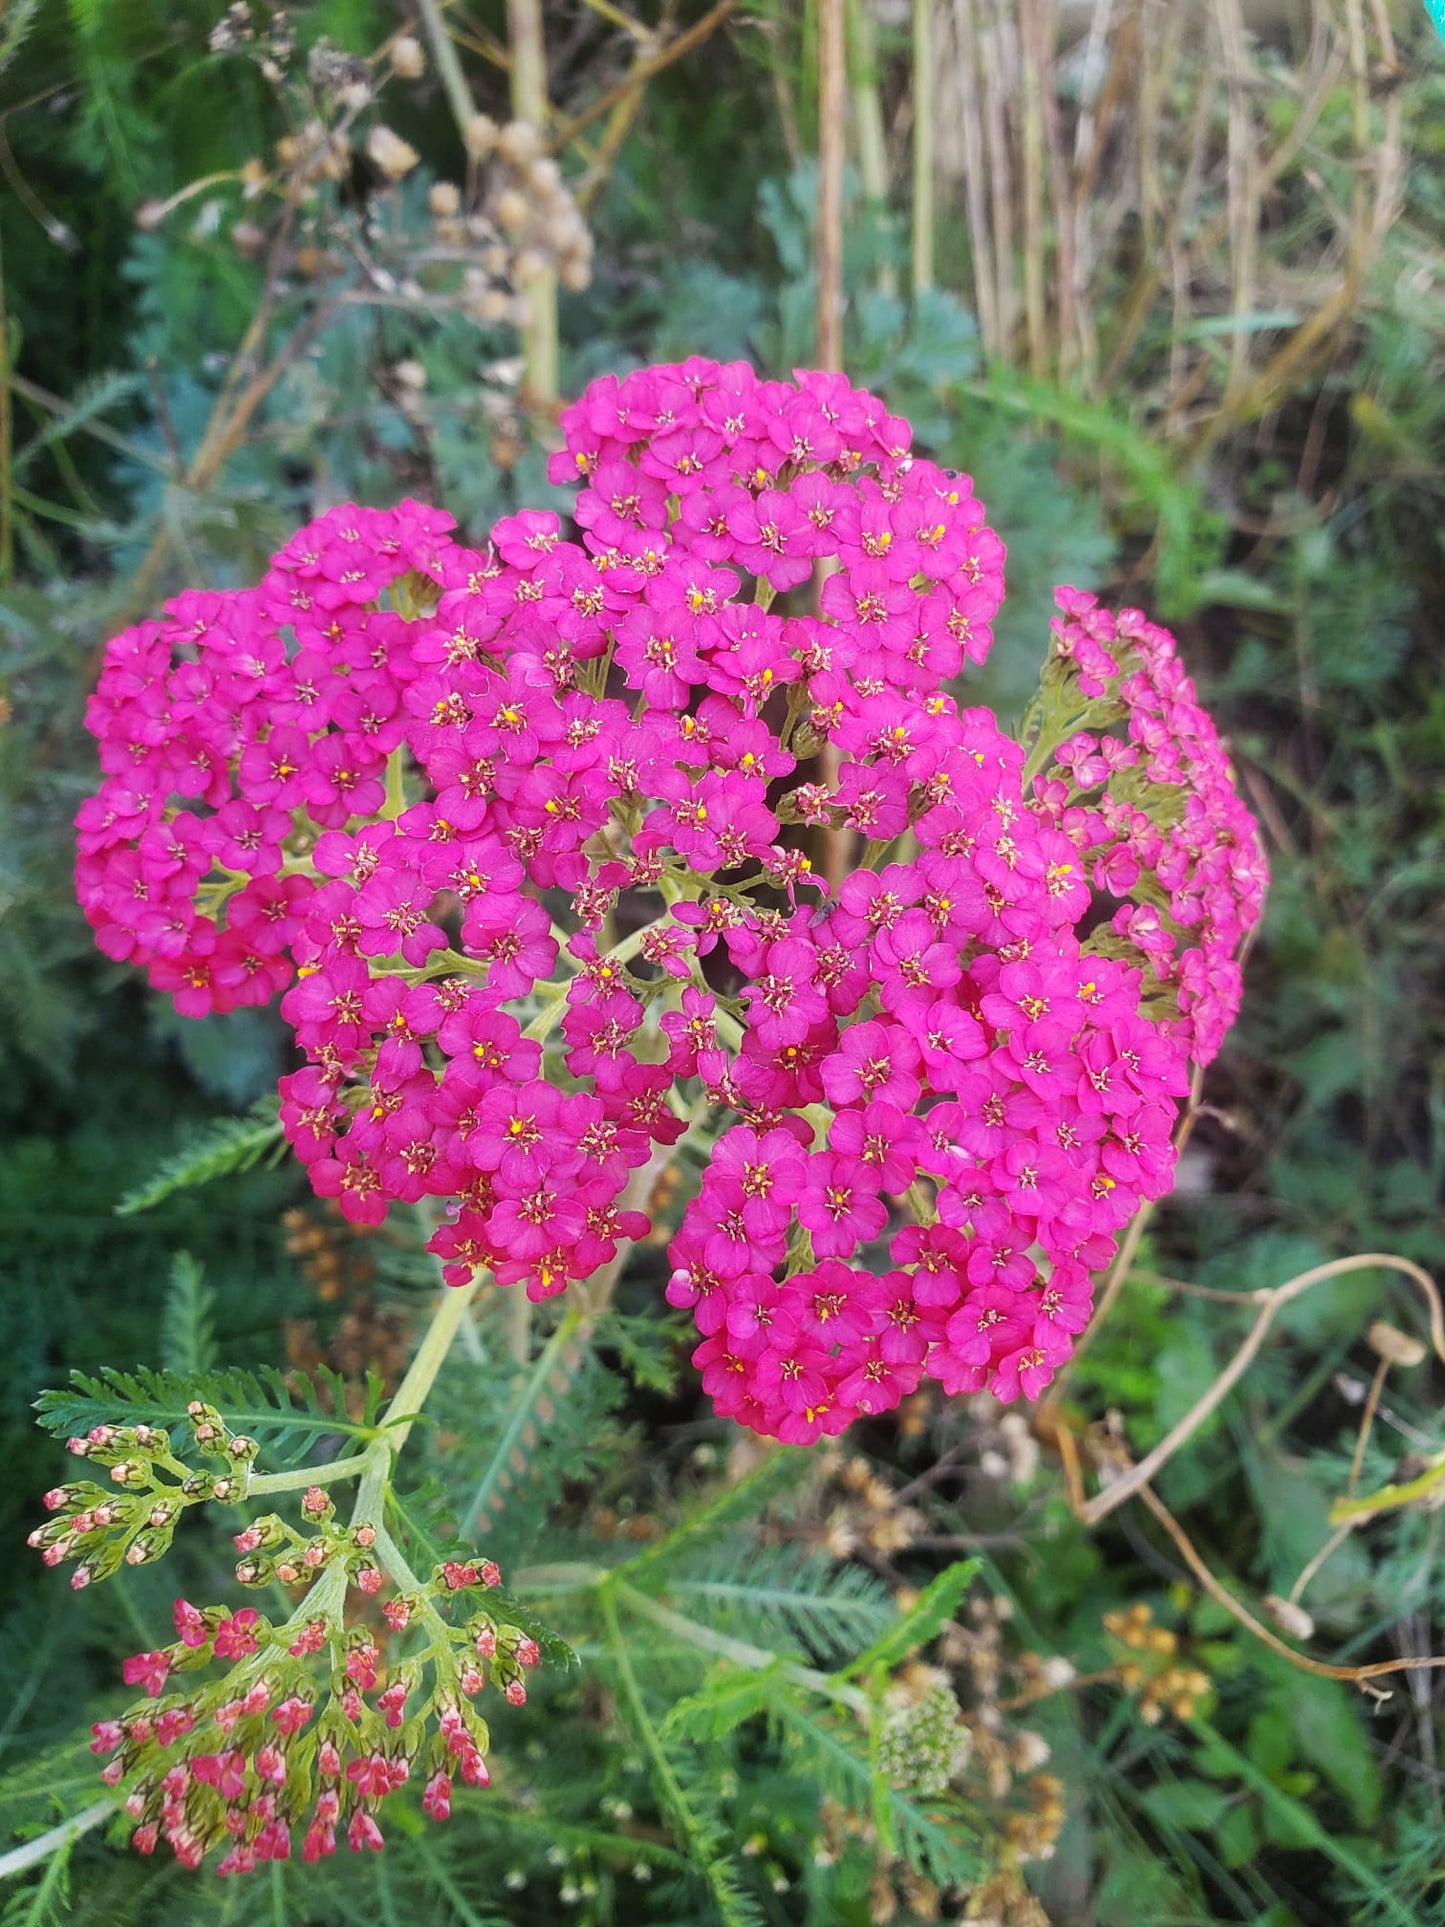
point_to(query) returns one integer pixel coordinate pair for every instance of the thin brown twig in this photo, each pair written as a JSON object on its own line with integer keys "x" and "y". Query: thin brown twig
{"x": 1356, "y": 1675}
{"x": 1367, "y": 1420}
{"x": 1271, "y": 1303}
{"x": 643, "y": 70}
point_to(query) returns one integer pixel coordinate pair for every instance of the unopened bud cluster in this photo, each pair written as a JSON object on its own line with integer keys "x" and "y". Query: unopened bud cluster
{"x": 314, "y": 1722}
{"x": 133, "y": 1520}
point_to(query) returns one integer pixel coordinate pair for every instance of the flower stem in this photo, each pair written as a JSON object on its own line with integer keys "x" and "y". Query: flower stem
{"x": 308, "y": 1475}
{"x": 410, "y": 1397}
{"x": 31, "y": 1852}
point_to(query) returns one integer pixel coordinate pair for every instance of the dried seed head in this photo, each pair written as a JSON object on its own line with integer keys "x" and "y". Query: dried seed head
{"x": 479, "y": 136}
{"x": 512, "y": 210}
{"x": 408, "y": 62}
{"x": 394, "y": 156}
{"x": 1396, "y": 1347}
{"x": 1289, "y": 1617}
{"x": 519, "y": 142}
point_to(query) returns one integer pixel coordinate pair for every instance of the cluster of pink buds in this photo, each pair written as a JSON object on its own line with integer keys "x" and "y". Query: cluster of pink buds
{"x": 134, "y": 1522}
{"x": 312, "y": 1724}
{"x": 522, "y": 835}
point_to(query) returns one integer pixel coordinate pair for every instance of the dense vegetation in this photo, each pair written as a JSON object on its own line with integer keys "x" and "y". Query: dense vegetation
{"x": 1170, "y": 290}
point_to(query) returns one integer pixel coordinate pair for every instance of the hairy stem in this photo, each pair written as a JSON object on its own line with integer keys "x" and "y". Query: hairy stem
{"x": 31, "y": 1852}
{"x": 308, "y": 1475}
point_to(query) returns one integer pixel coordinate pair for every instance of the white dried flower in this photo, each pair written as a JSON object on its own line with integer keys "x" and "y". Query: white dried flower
{"x": 408, "y": 62}
{"x": 394, "y": 156}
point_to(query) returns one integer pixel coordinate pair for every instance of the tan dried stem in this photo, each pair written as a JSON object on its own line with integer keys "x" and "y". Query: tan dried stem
{"x": 1271, "y": 1302}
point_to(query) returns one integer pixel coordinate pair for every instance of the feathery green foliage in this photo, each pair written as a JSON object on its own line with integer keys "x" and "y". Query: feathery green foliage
{"x": 230, "y": 1145}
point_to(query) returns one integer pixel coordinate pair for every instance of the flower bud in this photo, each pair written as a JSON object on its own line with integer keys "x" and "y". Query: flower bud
{"x": 519, "y": 142}
{"x": 147, "y": 1547}
{"x": 242, "y": 1449}
{"x": 390, "y": 153}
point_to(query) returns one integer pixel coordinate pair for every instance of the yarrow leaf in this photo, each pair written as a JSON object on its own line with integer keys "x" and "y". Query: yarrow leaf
{"x": 923, "y": 1621}
{"x": 228, "y": 1146}
{"x": 281, "y": 1409}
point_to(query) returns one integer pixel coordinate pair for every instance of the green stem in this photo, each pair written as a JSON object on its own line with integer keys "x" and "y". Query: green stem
{"x": 448, "y": 65}
{"x": 405, "y": 1407}
{"x": 754, "y": 1658}
{"x": 32, "y": 1852}
{"x": 308, "y": 1475}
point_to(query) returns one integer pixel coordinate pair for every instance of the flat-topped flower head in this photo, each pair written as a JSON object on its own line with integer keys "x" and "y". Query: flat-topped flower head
{"x": 525, "y": 838}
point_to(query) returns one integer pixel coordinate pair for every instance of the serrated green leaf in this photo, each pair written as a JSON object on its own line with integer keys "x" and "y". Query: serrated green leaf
{"x": 229, "y": 1145}
{"x": 273, "y": 1406}
{"x": 732, "y": 1696}
{"x": 923, "y": 1621}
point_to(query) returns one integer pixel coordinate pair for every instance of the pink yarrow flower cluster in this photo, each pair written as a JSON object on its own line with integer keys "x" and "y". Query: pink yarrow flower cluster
{"x": 522, "y": 836}
{"x": 297, "y": 1744}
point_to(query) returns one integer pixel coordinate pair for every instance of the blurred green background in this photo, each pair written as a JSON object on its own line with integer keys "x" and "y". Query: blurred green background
{"x": 1169, "y": 281}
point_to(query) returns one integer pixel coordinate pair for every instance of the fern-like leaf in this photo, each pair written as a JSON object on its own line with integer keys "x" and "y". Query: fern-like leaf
{"x": 47, "y": 1903}
{"x": 935, "y": 1606}
{"x": 697, "y": 1829}
{"x": 730, "y": 1697}
{"x": 188, "y": 1338}
{"x": 229, "y": 1145}
{"x": 552, "y": 1425}
{"x": 784, "y": 1466}
{"x": 828, "y": 1610}
{"x": 280, "y": 1409}
{"x": 18, "y": 20}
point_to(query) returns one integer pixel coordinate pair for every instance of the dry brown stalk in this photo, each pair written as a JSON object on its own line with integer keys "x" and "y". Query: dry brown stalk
{"x": 643, "y": 70}
{"x": 1271, "y": 1302}
{"x": 997, "y": 75}
{"x": 980, "y": 240}
{"x": 1031, "y": 136}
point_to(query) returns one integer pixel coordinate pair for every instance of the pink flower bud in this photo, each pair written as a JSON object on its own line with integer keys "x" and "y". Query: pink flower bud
{"x": 190, "y": 1624}
{"x": 516, "y": 1693}
{"x": 364, "y": 1832}
{"x": 148, "y": 1670}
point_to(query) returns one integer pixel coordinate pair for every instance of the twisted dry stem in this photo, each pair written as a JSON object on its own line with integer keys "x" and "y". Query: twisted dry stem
{"x": 1271, "y": 1302}
{"x": 1134, "y": 1481}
